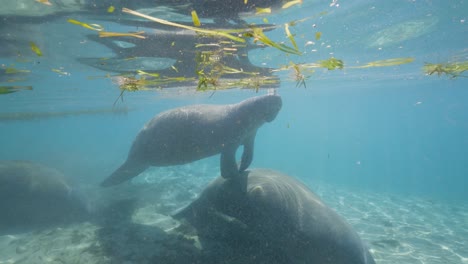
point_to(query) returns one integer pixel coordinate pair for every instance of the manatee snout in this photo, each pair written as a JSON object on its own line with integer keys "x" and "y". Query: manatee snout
{"x": 273, "y": 104}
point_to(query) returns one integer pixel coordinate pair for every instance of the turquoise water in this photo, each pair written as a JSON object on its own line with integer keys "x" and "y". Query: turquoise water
{"x": 371, "y": 133}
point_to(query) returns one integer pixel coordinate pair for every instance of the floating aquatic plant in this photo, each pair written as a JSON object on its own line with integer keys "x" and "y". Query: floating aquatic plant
{"x": 260, "y": 10}
{"x": 128, "y": 84}
{"x": 254, "y": 83}
{"x": 299, "y": 70}
{"x": 11, "y": 70}
{"x": 35, "y": 49}
{"x": 291, "y": 3}
{"x": 318, "y": 35}
{"x": 215, "y": 33}
{"x": 237, "y": 35}
{"x": 213, "y": 74}
{"x": 386, "y": 63}
{"x": 195, "y": 19}
{"x": 451, "y": 69}
{"x": 258, "y": 35}
{"x": 144, "y": 81}
{"x": 298, "y": 76}
{"x": 85, "y": 25}
{"x": 331, "y": 64}
{"x": 103, "y": 34}
{"x": 13, "y": 89}
{"x": 290, "y": 36}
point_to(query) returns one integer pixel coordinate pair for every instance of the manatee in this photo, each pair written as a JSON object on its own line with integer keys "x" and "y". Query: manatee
{"x": 33, "y": 195}
{"x": 269, "y": 217}
{"x": 190, "y": 133}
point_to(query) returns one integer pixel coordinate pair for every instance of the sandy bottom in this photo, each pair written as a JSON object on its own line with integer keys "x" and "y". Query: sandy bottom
{"x": 132, "y": 224}
{"x": 404, "y": 229}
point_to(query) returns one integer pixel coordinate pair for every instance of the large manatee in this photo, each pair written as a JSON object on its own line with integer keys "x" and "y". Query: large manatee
{"x": 273, "y": 218}
{"x": 33, "y": 195}
{"x": 190, "y": 133}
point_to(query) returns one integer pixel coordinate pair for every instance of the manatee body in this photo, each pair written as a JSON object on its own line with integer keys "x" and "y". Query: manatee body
{"x": 33, "y": 195}
{"x": 273, "y": 218}
{"x": 190, "y": 133}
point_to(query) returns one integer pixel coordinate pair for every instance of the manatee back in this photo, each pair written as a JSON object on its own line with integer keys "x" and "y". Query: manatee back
{"x": 300, "y": 223}
{"x": 182, "y": 135}
{"x": 275, "y": 218}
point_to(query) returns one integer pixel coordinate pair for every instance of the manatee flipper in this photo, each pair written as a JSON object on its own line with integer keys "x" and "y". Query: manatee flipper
{"x": 125, "y": 172}
{"x": 247, "y": 155}
{"x": 228, "y": 164}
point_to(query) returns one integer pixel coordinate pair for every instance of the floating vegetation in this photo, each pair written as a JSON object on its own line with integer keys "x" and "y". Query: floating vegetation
{"x": 331, "y": 64}
{"x": 140, "y": 72}
{"x": 214, "y": 33}
{"x": 260, "y": 10}
{"x": 103, "y": 34}
{"x": 144, "y": 81}
{"x": 254, "y": 83}
{"x": 386, "y": 63}
{"x": 290, "y": 36}
{"x": 95, "y": 27}
{"x": 302, "y": 72}
{"x": 291, "y": 3}
{"x": 195, "y": 19}
{"x": 451, "y": 69}
{"x": 298, "y": 76}
{"x": 208, "y": 57}
{"x": 13, "y": 89}
{"x": 318, "y": 35}
{"x": 210, "y": 69}
{"x": 11, "y": 70}
{"x": 207, "y": 83}
{"x": 298, "y": 72}
{"x": 252, "y": 32}
{"x": 35, "y": 49}
{"x": 11, "y": 74}
{"x": 215, "y": 69}
{"x": 128, "y": 83}
{"x": 258, "y": 35}
{"x": 219, "y": 62}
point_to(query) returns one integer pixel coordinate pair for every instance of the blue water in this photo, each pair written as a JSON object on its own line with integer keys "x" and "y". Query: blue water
{"x": 391, "y": 130}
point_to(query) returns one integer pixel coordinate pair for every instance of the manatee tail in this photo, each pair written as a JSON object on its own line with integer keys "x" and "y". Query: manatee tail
{"x": 125, "y": 172}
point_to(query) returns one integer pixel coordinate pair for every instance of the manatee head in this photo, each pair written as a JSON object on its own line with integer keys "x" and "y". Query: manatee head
{"x": 274, "y": 106}
{"x": 257, "y": 110}
{"x": 270, "y": 105}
